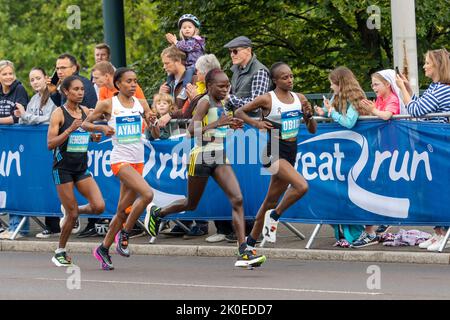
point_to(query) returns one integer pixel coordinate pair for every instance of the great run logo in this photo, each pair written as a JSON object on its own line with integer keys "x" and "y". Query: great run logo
{"x": 9, "y": 161}
{"x": 367, "y": 200}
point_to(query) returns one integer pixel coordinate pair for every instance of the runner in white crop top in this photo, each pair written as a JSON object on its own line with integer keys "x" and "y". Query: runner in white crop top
{"x": 124, "y": 114}
{"x": 283, "y": 109}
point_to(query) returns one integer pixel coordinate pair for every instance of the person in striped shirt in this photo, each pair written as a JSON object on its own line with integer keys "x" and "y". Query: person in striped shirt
{"x": 435, "y": 100}
{"x": 437, "y": 97}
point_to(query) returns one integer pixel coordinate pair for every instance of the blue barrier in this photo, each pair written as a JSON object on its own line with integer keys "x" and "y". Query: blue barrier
{"x": 381, "y": 172}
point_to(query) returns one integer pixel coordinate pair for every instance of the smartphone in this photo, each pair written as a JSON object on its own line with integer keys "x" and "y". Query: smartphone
{"x": 397, "y": 71}
{"x": 54, "y": 79}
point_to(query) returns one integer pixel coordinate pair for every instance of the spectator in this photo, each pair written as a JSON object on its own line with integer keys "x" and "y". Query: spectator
{"x": 436, "y": 99}
{"x": 38, "y": 111}
{"x": 387, "y": 104}
{"x": 11, "y": 93}
{"x": 250, "y": 77}
{"x": 173, "y": 60}
{"x": 174, "y": 64}
{"x": 345, "y": 107}
{"x": 346, "y": 104}
{"x": 66, "y": 66}
{"x": 203, "y": 65}
{"x": 102, "y": 52}
{"x": 162, "y": 104}
{"x": 40, "y": 107}
{"x": 103, "y": 77}
{"x": 191, "y": 43}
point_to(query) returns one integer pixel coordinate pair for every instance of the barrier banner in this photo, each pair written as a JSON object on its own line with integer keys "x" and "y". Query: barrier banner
{"x": 381, "y": 172}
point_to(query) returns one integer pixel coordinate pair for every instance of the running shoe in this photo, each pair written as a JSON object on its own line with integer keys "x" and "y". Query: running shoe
{"x": 62, "y": 260}
{"x": 152, "y": 221}
{"x": 76, "y": 227}
{"x": 104, "y": 258}
{"x": 270, "y": 228}
{"x": 435, "y": 238}
{"x": 382, "y": 229}
{"x": 249, "y": 258}
{"x": 122, "y": 243}
{"x": 364, "y": 240}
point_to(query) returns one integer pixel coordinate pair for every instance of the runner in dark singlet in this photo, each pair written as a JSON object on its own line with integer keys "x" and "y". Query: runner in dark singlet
{"x": 69, "y": 143}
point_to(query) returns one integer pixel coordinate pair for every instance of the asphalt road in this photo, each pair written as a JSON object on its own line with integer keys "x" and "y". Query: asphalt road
{"x": 33, "y": 276}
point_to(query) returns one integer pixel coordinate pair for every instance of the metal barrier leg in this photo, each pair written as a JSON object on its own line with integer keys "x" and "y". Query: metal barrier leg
{"x": 19, "y": 227}
{"x": 314, "y": 234}
{"x": 181, "y": 225}
{"x": 294, "y": 230}
{"x": 447, "y": 235}
{"x": 3, "y": 223}
{"x": 39, "y": 222}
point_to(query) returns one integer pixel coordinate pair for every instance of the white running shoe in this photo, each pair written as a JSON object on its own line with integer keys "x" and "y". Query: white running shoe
{"x": 77, "y": 226}
{"x": 270, "y": 228}
{"x": 436, "y": 245}
{"x": 429, "y": 242}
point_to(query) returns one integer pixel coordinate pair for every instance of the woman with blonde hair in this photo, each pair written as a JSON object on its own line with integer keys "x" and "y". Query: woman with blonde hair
{"x": 11, "y": 93}
{"x": 436, "y": 99}
{"x": 345, "y": 105}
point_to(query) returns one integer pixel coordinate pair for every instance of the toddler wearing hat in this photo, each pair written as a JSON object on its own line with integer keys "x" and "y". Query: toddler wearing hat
{"x": 190, "y": 41}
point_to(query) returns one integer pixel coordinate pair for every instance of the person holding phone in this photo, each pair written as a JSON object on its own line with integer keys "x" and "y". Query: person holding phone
{"x": 436, "y": 99}
{"x": 345, "y": 105}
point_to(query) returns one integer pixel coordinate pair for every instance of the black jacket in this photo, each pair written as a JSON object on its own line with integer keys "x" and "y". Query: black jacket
{"x": 8, "y": 101}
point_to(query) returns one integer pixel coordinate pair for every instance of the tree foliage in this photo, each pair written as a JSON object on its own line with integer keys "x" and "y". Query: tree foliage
{"x": 311, "y": 36}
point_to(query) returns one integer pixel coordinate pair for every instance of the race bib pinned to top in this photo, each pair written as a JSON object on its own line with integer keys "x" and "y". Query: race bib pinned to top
{"x": 128, "y": 129}
{"x": 78, "y": 141}
{"x": 290, "y": 124}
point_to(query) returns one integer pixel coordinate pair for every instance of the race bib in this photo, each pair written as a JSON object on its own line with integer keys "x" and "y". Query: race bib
{"x": 78, "y": 141}
{"x": 128, "y": 129}
{"x": 290, "y": 123}
{"x": 221, "y": 132}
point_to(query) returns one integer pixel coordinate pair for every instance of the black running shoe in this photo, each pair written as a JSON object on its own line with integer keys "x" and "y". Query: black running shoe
{"x": 152, "y": 221}
{"x": 104, "y": 258}
{"x": 122, "y": 243}
{"x": 249, "y": 258}
{"x": 62, "y": 260}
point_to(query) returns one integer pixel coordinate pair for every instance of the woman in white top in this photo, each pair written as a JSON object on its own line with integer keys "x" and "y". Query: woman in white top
{"x": 40, "y": 107}
{"x": 125, "y": 115}
{"x": 282, "y": 111}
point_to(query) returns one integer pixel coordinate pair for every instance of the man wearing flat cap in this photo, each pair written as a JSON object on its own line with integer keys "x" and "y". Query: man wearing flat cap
{"x": 250, "y": 77}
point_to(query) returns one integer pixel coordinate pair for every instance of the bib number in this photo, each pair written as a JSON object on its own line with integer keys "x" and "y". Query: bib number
{"x": 78, "y": 141}
{"x": 128, "y": 129}
{"x": 290, "y": 124}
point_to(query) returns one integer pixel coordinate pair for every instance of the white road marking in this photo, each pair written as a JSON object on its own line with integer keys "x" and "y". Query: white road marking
{"x": 191, "y": 285}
